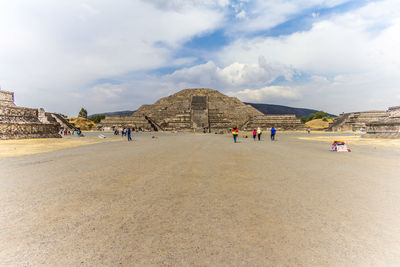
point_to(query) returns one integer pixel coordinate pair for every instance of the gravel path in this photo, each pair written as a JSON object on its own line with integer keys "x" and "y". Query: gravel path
{"x": 200, "y": 200}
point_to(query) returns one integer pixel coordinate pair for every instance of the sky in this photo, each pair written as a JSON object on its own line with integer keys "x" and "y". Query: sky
{"x": 332, "y": 55}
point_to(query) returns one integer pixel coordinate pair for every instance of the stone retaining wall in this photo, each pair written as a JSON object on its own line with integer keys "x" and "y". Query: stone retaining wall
{"x": 30, "y": 130}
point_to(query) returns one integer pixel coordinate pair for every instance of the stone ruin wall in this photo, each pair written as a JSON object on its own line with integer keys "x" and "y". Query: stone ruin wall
{"x": 120, "y": 122}
{"x": 388, "y": 127}
{"x": 281, "y": 122}
{"x": 19, "y": 122}
{"x": 6, "y": 98}
{"x": 356, "y": 121}
{"x": 31, "y": 130}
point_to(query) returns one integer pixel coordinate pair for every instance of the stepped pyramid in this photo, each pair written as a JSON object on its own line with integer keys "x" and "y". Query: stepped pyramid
{"x": 19, "y": 122}
{"x": 199, "y": 109}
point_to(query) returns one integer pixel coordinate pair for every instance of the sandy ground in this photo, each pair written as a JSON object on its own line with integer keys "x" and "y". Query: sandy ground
{"x": 200, "y": 200}
{"x": 22, "y": 147}
{"x": 354, "y": 139}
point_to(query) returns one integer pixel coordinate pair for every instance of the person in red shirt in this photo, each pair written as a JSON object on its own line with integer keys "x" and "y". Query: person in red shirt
{"x": 254, "y": 134}
{"x": 235, "y": 133}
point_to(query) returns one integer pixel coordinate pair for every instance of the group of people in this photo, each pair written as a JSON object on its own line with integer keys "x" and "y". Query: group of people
{"x": 67, "y": 131}
{"x": 125, "y": 132}
{"x": 256, "y": 134}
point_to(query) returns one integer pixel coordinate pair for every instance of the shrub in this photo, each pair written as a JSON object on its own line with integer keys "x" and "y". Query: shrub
{"x": 97, "y": 118}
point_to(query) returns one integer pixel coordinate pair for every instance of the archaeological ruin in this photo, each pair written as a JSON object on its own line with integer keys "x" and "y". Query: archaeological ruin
{"x": 387, "y": 127}
{"x": 199, "y": 110}
{"x": 19, "y": 122}
{"x": 355, "y": 121}
{"x": 373, "y": 123}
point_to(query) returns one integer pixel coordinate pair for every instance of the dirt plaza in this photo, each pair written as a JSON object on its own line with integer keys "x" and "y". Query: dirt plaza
{"x": 200, "y": 199}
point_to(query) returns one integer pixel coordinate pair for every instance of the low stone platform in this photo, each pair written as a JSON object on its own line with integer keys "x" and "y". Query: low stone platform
{"x": 119, "y": 122}
{"x": 282, "y": 122}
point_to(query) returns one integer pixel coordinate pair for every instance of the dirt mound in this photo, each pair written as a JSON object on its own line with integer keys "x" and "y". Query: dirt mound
{"x": 82, "y": 123}
{"x": 318, "y": 124}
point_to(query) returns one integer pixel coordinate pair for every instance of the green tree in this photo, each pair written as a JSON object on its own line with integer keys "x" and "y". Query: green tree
{"x": 311, "y": 117}
{"x": 97, "y": 118}
{"x": 83, "y": 113}
{"x": 320, "y": 115}
{"x": 317, "y": 115}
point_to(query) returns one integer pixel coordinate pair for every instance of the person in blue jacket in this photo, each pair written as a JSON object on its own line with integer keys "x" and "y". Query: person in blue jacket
{"x": 273, "y": 131}
{"x": 128, "y": 132}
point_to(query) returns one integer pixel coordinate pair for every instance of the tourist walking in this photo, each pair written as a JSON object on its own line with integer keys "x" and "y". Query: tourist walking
{"x": 235, "y": 133}
{"x": 273, "y": 131}
{"x": 128, "y": 132}
{"x": 308, "y": 130}
{"x": 259, "y": 132}
{"x": 254, "y": 134}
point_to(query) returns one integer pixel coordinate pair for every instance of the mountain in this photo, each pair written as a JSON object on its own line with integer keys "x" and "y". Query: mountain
{"x": 115, "y": 113}
{"x": 280, "y": 110}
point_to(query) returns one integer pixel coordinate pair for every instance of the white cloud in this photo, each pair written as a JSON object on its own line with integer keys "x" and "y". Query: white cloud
{"x": 234, "y": 76}
{"x": 106, "y": 91}
{"x": 266, "y": 94}
{"x": 359, "y": 49}
{"x": 53, "y": 52}
{"x": 356, "y": 41}
{"x": 241, "y": 14}
{"x": 55, "y": 47}
{"x": 266, "y": 14}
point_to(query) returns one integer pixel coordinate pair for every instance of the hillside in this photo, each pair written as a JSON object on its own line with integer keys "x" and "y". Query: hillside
{"x": 82, "y": 123}
{"x": 115, "y": 113}
{"x": 279, "y": 110}
{"x": 318, "y": 124}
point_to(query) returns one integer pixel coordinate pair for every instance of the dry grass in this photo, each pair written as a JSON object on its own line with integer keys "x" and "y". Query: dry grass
{"x": 22, "y": 147}
{"x": 318, "y": 124}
